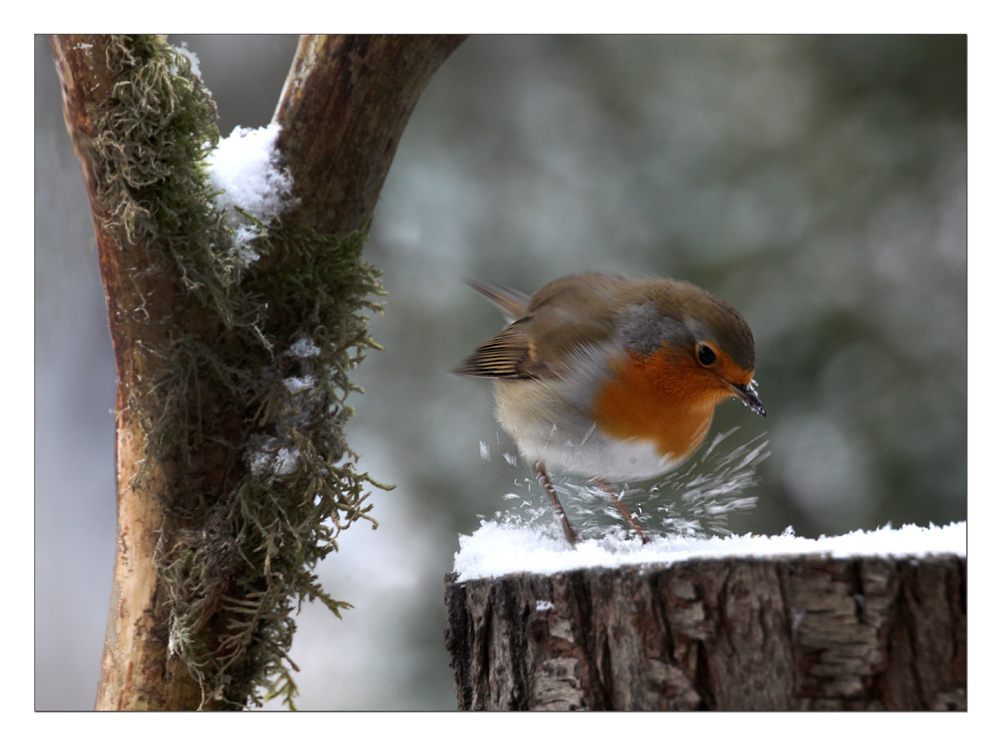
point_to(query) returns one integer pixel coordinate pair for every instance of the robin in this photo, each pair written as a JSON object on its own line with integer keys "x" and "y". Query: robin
{"x": 611, "y": 378}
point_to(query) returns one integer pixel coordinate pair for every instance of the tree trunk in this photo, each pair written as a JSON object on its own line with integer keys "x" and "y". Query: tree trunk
{"x": 804, "y": 633}
{"x": 189, "y": 395}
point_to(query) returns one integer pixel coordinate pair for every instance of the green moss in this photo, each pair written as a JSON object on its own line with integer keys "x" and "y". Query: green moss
{"x": 238, "y": 561}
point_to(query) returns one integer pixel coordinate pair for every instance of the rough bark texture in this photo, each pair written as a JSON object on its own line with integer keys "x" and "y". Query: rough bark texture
{"x": 343, "y": 111}
{"x": 136, "y": 664}
{"x": 728, "y": 635}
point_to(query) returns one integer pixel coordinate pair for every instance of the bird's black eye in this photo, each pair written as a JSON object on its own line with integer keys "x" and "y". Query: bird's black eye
{"x": 706, "y": 355}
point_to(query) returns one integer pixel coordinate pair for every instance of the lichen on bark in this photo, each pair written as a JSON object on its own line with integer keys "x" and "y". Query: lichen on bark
{"x": 242, "y": 383}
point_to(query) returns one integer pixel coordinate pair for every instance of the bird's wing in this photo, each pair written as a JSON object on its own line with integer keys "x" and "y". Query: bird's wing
{"x": 510, "y": 302}
{"x": 564, "y": 317}
{"x": 510, "y": 354}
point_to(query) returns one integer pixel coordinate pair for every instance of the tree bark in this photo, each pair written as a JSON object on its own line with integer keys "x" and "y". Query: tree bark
{"x": 343, "y": 111}
{"x": 802, "y": 633}
{"x": 137, "y": 671}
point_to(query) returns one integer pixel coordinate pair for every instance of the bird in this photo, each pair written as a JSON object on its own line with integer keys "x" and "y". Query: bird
{"x": 612, "y": 378}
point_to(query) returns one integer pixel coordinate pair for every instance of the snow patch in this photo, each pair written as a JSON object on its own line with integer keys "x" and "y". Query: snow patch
{"x": 246, "y": 169}
{"x": 497, "y": 549}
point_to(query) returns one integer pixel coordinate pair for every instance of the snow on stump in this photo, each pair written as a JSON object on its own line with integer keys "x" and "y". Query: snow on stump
{"x": 866, "y": 621}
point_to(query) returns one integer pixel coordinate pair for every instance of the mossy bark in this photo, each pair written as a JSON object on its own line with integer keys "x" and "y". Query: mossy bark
{"x": 214, "y": 554}
{"x": 137, "y": 670}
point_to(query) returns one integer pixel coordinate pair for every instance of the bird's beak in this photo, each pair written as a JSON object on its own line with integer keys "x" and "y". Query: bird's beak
{"x": 748, "y": 396}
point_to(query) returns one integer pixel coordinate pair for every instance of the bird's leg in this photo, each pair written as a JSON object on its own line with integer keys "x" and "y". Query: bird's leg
{"x": 547, "y": 483}
{"x": 629, "y": 517}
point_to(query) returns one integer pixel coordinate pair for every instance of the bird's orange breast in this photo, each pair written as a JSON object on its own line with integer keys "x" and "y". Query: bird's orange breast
{"x": 665, "y": 398}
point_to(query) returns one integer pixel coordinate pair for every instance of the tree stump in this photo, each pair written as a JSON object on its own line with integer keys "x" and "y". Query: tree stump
{"x": 735, "y": 634}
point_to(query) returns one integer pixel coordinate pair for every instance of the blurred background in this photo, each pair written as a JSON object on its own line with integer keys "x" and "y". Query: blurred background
{"x": 816, "y": 183}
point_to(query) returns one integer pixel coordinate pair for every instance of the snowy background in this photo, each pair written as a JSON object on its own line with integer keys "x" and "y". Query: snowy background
{"x": 817, "y": 183}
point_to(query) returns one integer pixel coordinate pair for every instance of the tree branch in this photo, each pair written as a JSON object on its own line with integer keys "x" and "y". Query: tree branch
{"x": 342, "y": 112}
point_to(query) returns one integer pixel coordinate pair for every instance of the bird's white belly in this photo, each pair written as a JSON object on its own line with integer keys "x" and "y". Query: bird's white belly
{"x": 555, "y": 429}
